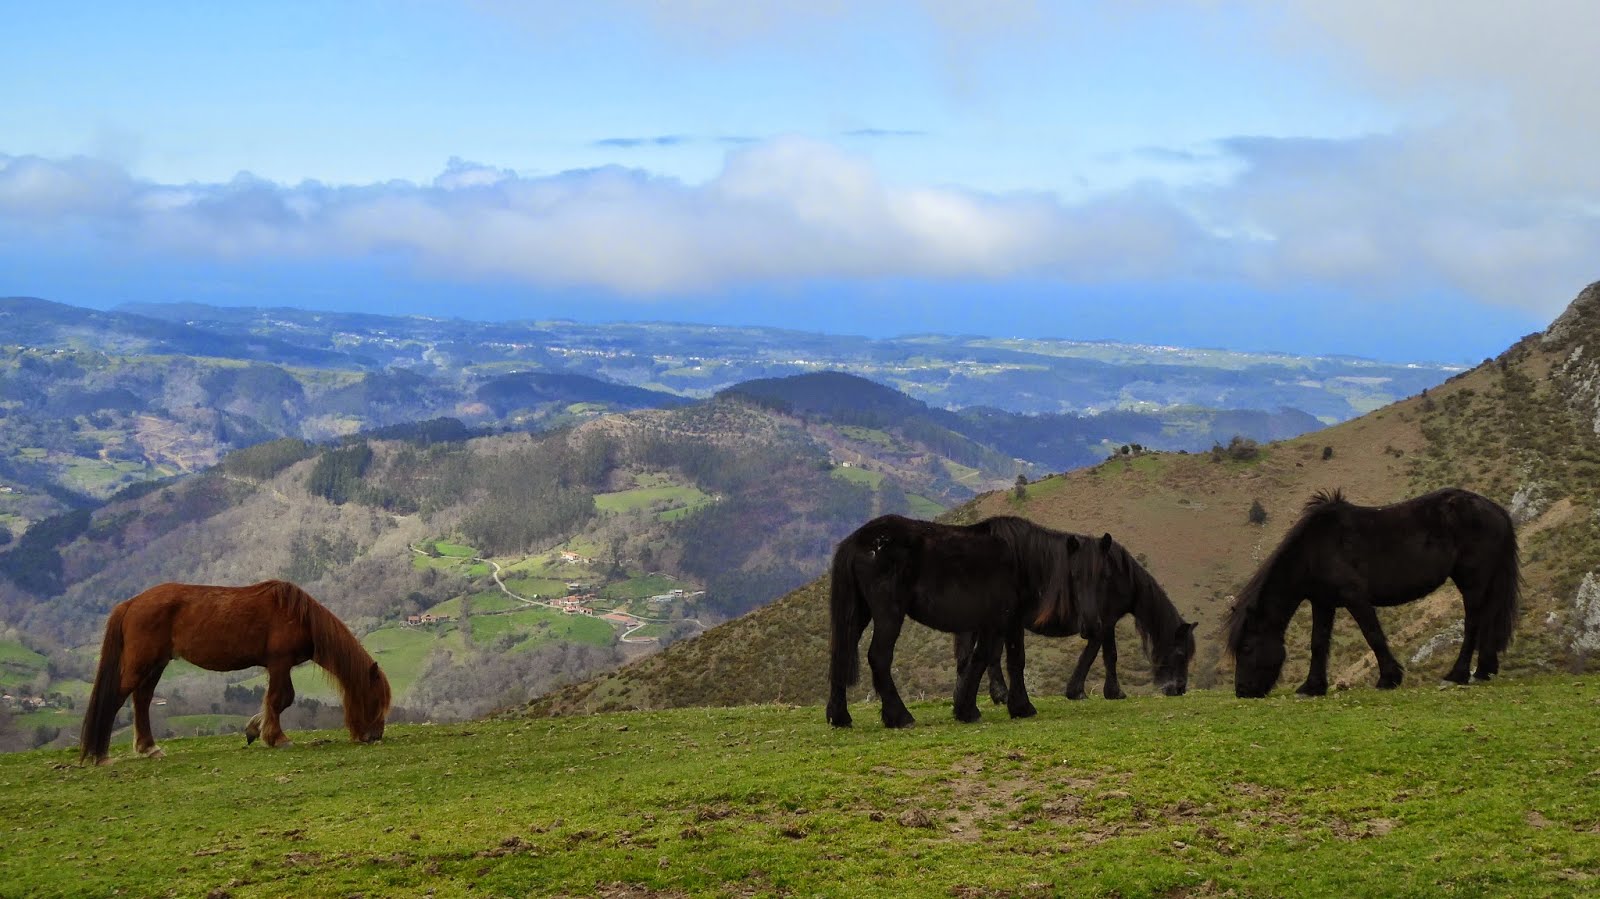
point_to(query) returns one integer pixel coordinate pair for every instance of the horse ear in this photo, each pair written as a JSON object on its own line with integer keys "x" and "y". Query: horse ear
{"x": 1072, "y": 543}
{"x": 1105, "y": 543}
{"x": 374, "y": 673}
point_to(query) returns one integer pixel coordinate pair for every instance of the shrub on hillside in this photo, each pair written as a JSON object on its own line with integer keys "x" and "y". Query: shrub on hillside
{"x": 1243, "y": 449}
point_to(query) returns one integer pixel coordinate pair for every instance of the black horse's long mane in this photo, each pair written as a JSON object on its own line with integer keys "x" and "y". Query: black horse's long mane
{"x": 1154, "y": 616}
{"x": 1249, "y": 596}
{"x": 1043, "y": 554}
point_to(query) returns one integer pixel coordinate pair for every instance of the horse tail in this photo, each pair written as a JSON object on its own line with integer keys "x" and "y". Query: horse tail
{"x": 844, "y": 604}
{"x": 105, "y": 699}
{"x": 1504, "y": 598}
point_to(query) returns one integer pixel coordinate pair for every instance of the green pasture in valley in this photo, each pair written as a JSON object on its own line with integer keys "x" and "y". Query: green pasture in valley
{"x": 1481, "y": 791}
{"x": 645, "y": 497}
{"x": 19, "y": 665}
{"x": 536, "y": 626}
{"x": 542, "y": 587}
{"x": 859, "y": 476}
{"x": 922, "y": 507}
{"x": 641, "y": 587}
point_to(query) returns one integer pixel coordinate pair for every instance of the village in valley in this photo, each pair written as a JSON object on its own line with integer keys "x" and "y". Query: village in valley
{"x": 644, "y": 608}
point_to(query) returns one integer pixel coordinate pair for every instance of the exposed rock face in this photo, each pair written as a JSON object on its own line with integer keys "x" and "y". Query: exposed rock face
{"x": 1528, "y": 503}
{"x": 1586, "y": 616}
{"x": 1577, "y": 332}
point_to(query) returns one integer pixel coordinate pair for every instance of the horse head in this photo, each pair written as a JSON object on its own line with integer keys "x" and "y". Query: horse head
{"x": 366, "y": 709}
{"x": 1172, "y": 662}
{"x": 1258, "y": 655}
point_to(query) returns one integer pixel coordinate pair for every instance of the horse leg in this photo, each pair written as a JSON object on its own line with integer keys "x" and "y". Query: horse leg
{"x": 998, "y": 693}
{"x": 997, "y": 681}
{"x": 1389, "y": 671}
{"x": 1469, "y": 639}
{"x": 144, "y": 736}
{"x": 1321, "y": 635}
{"x": 966, "y": 699}
{"x": 1488, "y": 656}
{"x": 880, "y": 655}
{"x": 1091, "y": 648}
{"x": 280, "y": 695}
{"x": 1017, "y": 705}
{"x": 1108, "y": 648}
{"x": 838, "y": 704}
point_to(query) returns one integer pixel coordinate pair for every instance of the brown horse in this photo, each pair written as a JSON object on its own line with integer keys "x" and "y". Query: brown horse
{"x": 274, "y": 624}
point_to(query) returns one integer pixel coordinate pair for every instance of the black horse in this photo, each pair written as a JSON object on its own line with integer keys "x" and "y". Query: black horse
{"x": 987, "y": 580}
{"x": 1356, "y": 557}
{"x": 1120, "y": 586}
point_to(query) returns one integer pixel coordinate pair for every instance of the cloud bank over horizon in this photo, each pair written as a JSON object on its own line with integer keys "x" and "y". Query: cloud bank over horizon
{"x": 1378, "y": 216}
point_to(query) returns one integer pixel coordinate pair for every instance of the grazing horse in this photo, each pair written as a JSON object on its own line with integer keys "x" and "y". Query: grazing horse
{"x": 274, "y": 624}
{"x": 1122, "y": 587}
{"x": 982, "y": 579}
{"x": 1359, "y": 558}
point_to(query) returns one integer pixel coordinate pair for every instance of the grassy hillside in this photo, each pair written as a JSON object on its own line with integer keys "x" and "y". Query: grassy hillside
{"x": 1520, "y": 429}
{"x": 1419, "y": 792}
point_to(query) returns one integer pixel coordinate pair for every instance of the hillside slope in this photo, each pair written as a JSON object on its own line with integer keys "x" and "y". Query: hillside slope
{"x": 1521, "y": 429}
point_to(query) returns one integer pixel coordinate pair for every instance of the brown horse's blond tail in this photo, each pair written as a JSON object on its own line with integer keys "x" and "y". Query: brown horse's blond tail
{"x": 105, "y": 700}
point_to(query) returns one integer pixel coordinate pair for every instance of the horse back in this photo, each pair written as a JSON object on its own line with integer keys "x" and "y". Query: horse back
{"x": 1398, "y": 553}
{"x": 948, "y": 577}
{"x": 214, "y": 627}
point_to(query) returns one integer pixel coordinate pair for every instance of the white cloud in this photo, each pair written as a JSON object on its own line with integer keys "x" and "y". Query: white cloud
{"x": 1381, "y": 216}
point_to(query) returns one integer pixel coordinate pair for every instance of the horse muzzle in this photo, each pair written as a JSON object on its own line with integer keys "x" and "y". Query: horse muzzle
{"x": 1174, "y": 688}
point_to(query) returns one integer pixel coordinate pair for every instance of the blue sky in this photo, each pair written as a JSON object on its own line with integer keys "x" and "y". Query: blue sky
{"x": 1396, "y": 180}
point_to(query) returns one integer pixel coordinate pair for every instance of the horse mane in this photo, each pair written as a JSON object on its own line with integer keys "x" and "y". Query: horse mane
{"x": 340, "y": 654}
{"x": 1150, "y": 601}
{"x": 1040, "y": 552}
{"x": 1325, "y": 497}
{"x": 1249, "y": 596}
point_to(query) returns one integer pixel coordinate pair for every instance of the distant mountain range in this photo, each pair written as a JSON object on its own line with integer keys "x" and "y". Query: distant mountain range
{"x": 94, "y": 401}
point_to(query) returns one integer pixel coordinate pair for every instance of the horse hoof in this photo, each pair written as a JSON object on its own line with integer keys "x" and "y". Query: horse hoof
{"x": 1074, "y": 694}
{"x": 1455, "y": 678}
{"x": 1027, "y": 711}
{"x": 1117, "y": 694}
{"x": 899, "y": 721}
{"x": 968, "y": 717}
{"x": 104, "y": 760}
{"x": 1312, "y": 690}
{"x": 154, "y": 752}
{"x": 840, "y": 720}
{"x": 1387, "y": 684}
{"x": 1482, "y": 678}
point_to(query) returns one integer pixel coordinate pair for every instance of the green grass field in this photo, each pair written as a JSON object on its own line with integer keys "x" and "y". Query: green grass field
{"x": 542, "y": 587}
{"x": 859, "y": 476}
{"x": 537, "y": 626}
{"x": 922, "y": 507}
{"x": 188, "y": 724}
{"x": 644, "y": 497}
{"x": 640, "y": 587}
{"x": 19, "y": 665}
{"x": 1484, "y": 791}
